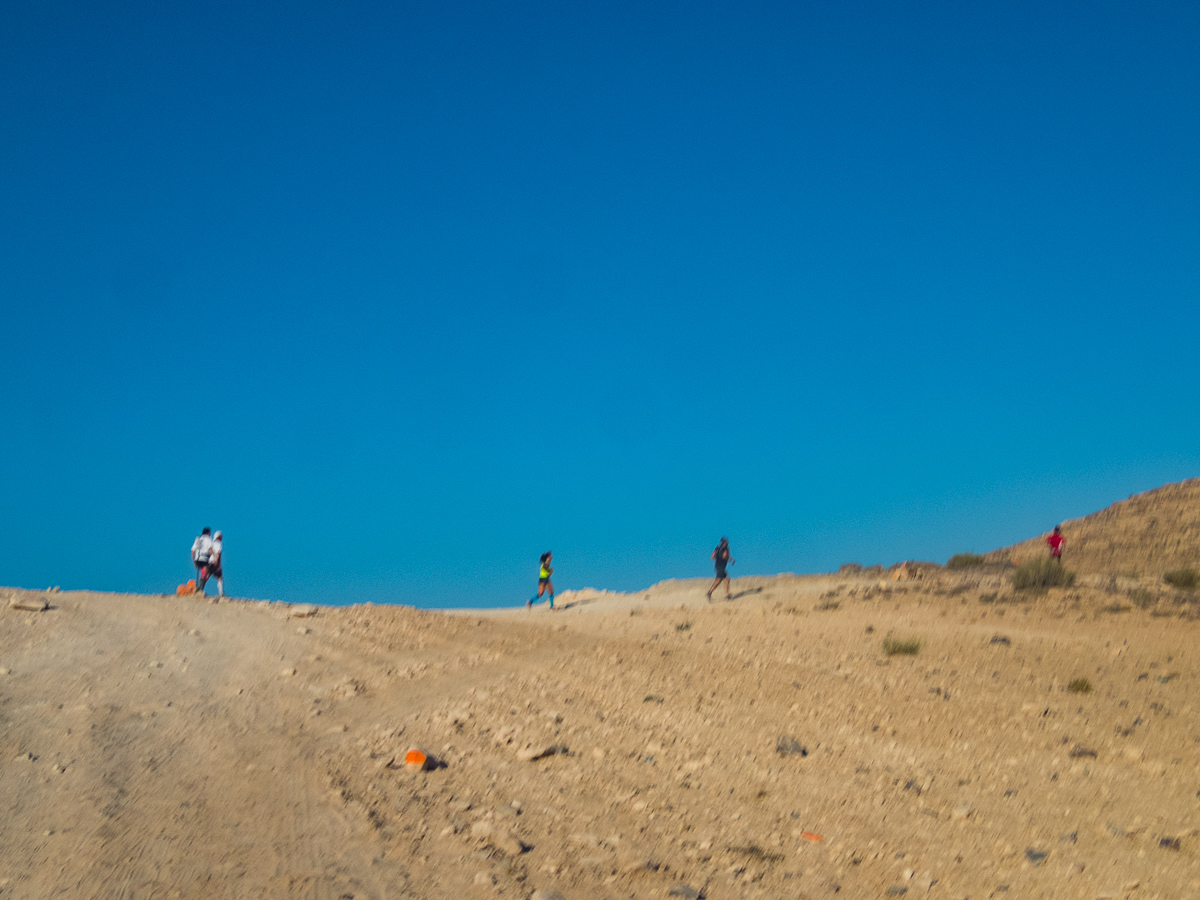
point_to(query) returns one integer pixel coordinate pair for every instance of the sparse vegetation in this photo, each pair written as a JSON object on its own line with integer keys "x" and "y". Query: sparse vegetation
{"x": 1039, "y": 574}
{"x": 965, "y": 561}
{"x": 988, "y": 598}
{"x": 1080, "y": 686}
{"x": 896, "y": 647}
{"x": 827, "y": 605}
{"x": 682, "y": 626}
{"x": 1183, "y": 578}
{"x": 1142, "y": 598}
{"x": 756, "y": 852}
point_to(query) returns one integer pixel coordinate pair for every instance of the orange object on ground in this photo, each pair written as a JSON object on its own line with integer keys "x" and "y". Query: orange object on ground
{"x": 810, "y": 836}
{"x": 189, "y": 588}
{"x": 416, "y": 759}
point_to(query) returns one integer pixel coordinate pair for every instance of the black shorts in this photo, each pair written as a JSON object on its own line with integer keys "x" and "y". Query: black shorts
{"x": 542, "y": 582}
{"x": 721, "y": 573}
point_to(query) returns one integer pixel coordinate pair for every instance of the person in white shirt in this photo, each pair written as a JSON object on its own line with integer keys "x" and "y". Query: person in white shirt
{"x": 214, "y": 563}
{"x": 201, "y": 554}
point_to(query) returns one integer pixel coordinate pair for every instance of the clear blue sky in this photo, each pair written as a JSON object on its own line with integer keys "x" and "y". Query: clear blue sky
{"x": 400, "y": 295}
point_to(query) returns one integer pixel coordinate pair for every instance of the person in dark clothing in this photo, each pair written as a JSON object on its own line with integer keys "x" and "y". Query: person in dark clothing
{"x": 721, "y": 558}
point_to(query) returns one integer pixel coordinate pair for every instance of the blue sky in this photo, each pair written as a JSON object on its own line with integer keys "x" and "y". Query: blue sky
{"x": 401, "y": 295}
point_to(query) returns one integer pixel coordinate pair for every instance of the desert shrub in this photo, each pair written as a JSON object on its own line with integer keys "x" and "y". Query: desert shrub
{"x": 1142, "y": 598}
{"x": 1080, "y": 686}
{"x": 965, "y": 561}
{"x": 1183, "y": 578}
{"x": 1039, "y": 574}
{"x": 683, "y": 626}
{"x": 895, "y": 647}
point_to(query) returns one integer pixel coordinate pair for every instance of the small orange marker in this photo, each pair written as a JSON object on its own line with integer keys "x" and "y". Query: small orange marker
{"x": 810, "y": 836}
{"x": 416, "y": 759}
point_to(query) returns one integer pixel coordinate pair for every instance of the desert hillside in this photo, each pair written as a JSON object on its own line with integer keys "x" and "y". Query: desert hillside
{"x": 1147, "y": 535}
{"x": 783, "y": 743}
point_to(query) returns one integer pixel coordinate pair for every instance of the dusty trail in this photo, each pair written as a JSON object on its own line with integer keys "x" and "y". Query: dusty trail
{"x": 620, "y": 747}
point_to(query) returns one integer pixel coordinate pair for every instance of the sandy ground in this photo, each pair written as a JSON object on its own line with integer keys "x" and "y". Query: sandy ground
{"x": 767, "y": 746}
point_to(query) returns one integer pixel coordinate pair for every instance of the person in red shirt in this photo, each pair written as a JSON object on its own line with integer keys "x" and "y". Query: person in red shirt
{"x": 1056, "y": 543}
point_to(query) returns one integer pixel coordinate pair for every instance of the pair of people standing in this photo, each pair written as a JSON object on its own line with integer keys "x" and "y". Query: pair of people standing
{"x": 207, "y": 552}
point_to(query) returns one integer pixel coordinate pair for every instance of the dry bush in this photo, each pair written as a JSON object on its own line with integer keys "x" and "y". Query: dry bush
{"x": 1039, "y": 574}
{"x": 966, "y": 561}
{"x": 896, "y": 647}
{"x": 1142, "y": 598}
{"x": 1183, "y": 578}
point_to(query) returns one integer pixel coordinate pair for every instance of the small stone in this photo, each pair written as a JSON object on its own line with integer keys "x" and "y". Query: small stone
{"x": 288, "y": 672}
{"x": 511, "y": 845}
{"x": 960, "y": 812}
{"x": 585, "y": 840}
{"x": 506, "y": 735}
{"x": 303, "y": 630}
{"x": 1131, "y": 885}
{"x": 598, "y": 753}
{"x": 1133, "y": 754}
{"x": 896, "y": 890}
{"x": 482, "y": 829}
{"x": 4, "y": 670}
{"x": 487, "y": 879}
{"x": 907, "y": 874}
{"x": 302, "y": 611}
{"x": 684, "y": 890}
{"x": 543, "y": 894}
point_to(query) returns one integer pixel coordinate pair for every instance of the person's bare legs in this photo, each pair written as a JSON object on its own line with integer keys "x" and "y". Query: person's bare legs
{"x": 717, "y": 583}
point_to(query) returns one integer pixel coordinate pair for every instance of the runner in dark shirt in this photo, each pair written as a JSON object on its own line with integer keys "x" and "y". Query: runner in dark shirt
{"x": 721, "y": 558}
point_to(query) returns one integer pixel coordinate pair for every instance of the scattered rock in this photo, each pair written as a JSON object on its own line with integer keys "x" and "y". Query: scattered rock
{"x": 789, "y": 746}
{"x": 486, "y": 879}
{"x": 482, "y": 830}
{"x": 896, "y": 890}
{"x": 506, "y": 735}
{"x": 684, "y": 890}
{"x": 530, "y": 752}
{"x": 960, "y": 812}
{"x": 28, "y": 604}
{"x": 511, "y": 844}
{"x": 543, "y": 894}
{"x": 302, "y": 611}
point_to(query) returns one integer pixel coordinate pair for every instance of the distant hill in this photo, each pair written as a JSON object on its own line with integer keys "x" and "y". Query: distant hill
{"x": 1148, "y": 534}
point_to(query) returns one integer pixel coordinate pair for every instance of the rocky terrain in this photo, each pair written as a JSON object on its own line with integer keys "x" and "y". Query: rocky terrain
{"x": 849, "y": 735}
{"x": 1147, "y": 535}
